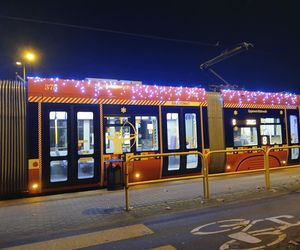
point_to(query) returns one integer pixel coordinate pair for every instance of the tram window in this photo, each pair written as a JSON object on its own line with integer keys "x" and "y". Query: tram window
{"x": 270, "y": 127}
{"x": 250, "y": 122}
{"x": 192, "y": 161}
{"x": 58, "y": 133}
{"x": 294, "y": 129}
{"x": 294, "y": 153}
{"x": 85, "y": 133}
{"x": 117, "y": 138}
{"x": 191, "y": 131}
{"x": 85, "y": 168}
{"x": 173, "y": 163}
{"x": 147, "y": 133}
{"x": 269, "y": 120}
{"x": 244, "y": 136}
{"x": 116, "y": 120}
{"x": 294, "y": 136}
{"x": 273, "y": 131}
{"x": 58, "y": 171}
{"x": 173, "y": 130}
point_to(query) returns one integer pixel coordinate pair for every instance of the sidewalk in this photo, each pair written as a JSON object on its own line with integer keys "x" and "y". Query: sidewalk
{"x": 66, "y": 214}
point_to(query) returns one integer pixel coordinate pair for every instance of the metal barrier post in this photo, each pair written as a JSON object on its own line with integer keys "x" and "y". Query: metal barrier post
{"x": 267, "y": 169}
{"x": 205, "y": 179}
{"x": 126, "y": 186}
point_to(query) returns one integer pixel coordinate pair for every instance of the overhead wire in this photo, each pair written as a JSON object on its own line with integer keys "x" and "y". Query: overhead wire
{"x": 22, "y": 19}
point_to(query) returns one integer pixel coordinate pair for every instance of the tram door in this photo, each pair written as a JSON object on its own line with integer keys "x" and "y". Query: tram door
{"x": 181, "y": 133}
{"x": 70, "y": 135}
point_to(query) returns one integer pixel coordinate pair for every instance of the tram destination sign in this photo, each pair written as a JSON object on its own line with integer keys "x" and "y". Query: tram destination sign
{"x": 260, "y": 111}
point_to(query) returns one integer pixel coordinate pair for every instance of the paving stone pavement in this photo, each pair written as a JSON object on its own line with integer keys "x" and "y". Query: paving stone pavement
{"x": 58, "y": 215}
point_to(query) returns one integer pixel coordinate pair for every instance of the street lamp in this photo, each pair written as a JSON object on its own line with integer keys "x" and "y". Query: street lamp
{"x": 27, "y": 57}
{"x": 24, "y": 71}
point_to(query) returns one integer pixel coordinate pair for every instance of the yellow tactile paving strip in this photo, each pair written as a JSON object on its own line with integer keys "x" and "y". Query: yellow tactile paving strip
{"x": 89, "y": 239}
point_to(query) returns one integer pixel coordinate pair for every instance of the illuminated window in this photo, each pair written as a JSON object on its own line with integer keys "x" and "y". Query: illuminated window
{"x": 85, "y": 133}
{"x": 58, "y": 171}
{"x": 85, "y": 168}
{"x": 273, "y": 131}
{"x": 294, "y": 136}
{"x": 173, "y": 163}
{"x": 192, "y": 161}
{"x": 117, "y": 134}
{"x": 270, "y": 129}
{"x": 116, "y": 120}
{"x": 58, "y": 133}
{"x": 191, "y": 131}
{"x": 294, "y": 129}
{"x": 147, "y": 133}
{"x": 269, "y": 120}
{"x": 173, "y": 131}
{"x": 244, "y": 136}
{"x": 251, "y": 122}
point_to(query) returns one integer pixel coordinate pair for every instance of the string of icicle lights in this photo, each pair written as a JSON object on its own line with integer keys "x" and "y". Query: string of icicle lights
{"x": 250, "y": 97}
{"x": 138, "y": 91}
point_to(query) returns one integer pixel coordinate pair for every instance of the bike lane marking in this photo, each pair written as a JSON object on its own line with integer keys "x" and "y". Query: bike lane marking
{"x": 242, "y": 236}
{"x": 247, "y": 235}
{"x": 236, "y": 224}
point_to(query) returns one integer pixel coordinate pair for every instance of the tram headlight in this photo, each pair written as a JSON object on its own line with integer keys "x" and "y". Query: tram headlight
{"x": 283, "y": 163}
{"x": 35, "y": 186}
{"x": 137, "y": 175}
{"x": 228, "y": 167}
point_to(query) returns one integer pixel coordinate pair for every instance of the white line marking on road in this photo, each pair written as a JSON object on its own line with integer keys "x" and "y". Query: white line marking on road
{"x": 89, "y": 239}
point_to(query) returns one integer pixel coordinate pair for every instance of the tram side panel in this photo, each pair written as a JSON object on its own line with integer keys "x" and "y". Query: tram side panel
{"x": 254, "y": 128}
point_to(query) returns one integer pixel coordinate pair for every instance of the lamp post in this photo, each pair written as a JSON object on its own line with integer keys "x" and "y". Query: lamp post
{"x": 24, "y": 71}
{"x": 26, "y": 57}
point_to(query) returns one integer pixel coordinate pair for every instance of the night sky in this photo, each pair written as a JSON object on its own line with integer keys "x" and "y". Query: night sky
{"x": 161, "y": 43}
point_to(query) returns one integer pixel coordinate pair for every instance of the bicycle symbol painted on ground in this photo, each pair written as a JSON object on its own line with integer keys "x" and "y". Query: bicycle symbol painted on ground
{"x": 250, "y": 235}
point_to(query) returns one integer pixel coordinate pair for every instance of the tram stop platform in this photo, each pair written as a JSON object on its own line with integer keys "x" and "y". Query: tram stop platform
{"x": 58, "y": 215}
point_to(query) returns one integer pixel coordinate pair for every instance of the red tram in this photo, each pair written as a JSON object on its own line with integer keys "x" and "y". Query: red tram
{"x": 75, "y": 127}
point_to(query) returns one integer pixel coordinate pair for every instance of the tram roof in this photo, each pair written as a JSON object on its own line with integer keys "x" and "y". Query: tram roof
{"x": 113, "y": 91}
